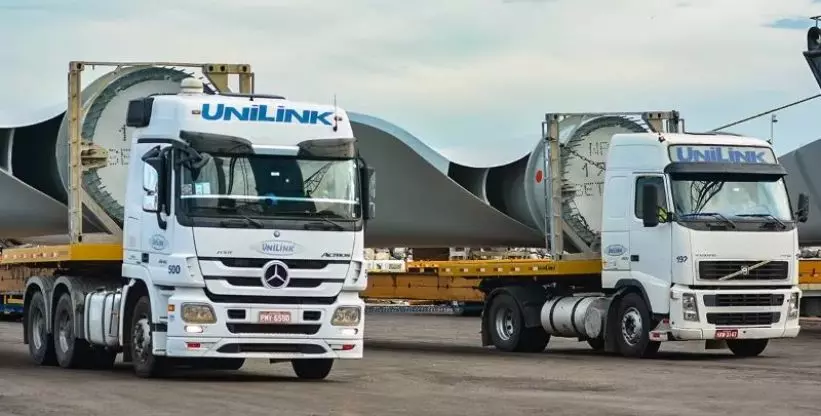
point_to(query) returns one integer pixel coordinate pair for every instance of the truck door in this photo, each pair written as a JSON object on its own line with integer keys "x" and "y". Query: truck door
{"x": 157, "y": 242}
{"x": 651, "y": 247}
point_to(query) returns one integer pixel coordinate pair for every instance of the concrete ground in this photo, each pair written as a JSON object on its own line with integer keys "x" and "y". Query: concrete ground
{"x": 432, "y": 365}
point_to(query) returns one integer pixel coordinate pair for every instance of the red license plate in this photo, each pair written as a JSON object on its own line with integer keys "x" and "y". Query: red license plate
{"x": 726, "y": 333}
{"x": 270, "y": 317}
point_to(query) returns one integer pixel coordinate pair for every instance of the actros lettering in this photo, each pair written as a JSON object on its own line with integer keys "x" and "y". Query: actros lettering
{"x": 720, "y": 154}
{"x": 264, "y": 113}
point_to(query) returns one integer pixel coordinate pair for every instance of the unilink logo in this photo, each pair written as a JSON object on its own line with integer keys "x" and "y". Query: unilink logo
{"x": 721, "y": 154}
{"x": 278, "y": 247}
{"x": 158, "y": 242}
{"x": 615, "y": 250}
{"x": 264, "y": 113}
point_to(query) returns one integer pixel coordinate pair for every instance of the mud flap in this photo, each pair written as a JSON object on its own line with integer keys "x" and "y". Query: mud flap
{"x": 610, "y": 328}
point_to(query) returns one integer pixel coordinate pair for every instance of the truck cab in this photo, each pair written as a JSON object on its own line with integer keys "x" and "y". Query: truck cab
{"x": 701, "y": 225}
{"x": 243, "y": 233}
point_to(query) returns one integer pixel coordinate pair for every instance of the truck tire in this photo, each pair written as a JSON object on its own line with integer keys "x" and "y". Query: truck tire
{"x": 41, "y": 343}
{"x": 71, "y": 351}
{"x": 146, "y": 364}
{"x": 633, "y": 327}
{"x": 747, "y": 347}
{"x": 507, "y": 329}
{"x": 312, "y": 369}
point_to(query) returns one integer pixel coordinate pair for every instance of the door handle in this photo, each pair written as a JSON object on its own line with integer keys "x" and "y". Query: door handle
{"x": 634, "y": 257}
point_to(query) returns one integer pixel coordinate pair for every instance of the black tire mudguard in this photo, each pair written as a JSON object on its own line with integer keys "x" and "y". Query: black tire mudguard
{"x": 530, "y": 300}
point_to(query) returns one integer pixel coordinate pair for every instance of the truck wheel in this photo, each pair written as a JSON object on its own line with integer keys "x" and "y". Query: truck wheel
{"x": 41, "y": 343}
{"x": 145, "y": 363}
{"x": 312, "y": 369}
{"x": 633, "y": 328}
{"x": 507, "y": 330}
{"x": 747, "y": 347}
{"x": 71, "y": 351}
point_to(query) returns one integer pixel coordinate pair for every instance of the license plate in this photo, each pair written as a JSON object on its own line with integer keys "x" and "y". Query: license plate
{"x": 726, "y": 333}
{"x": 270, "y": 317}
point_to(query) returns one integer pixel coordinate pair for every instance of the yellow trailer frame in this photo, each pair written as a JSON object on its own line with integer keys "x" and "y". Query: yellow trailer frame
{"x": 463, "y": 280}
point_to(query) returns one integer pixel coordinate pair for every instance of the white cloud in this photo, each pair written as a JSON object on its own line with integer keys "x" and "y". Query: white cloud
{"x": 445, "y": 70}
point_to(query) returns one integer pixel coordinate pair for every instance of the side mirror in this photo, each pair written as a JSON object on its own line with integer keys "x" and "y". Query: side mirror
{"x": 150, "y": 188}
{"x": 367, "y": 176}
{"x": 151, "y": 202}
{"x": 649, "y": 206}
{"x": 803, "y": 208}
{"x": 155, "y": 197}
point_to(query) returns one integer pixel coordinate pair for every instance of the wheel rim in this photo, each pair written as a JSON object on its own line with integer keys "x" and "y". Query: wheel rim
{"x": 65, "y": 331}
{"x": 631, "y": 326}
{"x": 505, "y": 326}
{"x": 38, "y": 328}
{"x": 141, "y": 340}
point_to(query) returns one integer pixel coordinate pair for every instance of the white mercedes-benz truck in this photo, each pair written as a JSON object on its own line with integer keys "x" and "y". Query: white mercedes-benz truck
{"x": 242, "y": 238}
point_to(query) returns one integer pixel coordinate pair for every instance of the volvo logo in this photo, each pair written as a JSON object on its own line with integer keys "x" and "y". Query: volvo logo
{"x": 745, "y": 271}
{"x": 275, "y": 275}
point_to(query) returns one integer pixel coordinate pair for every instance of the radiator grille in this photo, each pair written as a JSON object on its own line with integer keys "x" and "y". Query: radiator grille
{"x": 716, "y": 269}
{"x": 743, "y": 318}
{"x": 744, "y": 299}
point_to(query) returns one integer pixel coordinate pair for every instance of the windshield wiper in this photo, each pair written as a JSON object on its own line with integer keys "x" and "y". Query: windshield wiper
{"x": 709, "y": 214}
{"x": 308, "y": 215}
{"x": 771, "y": 216}
{"x": 248, "y": 220}
{"x": 335, "y": 224}
{"x": 235, "y": 210}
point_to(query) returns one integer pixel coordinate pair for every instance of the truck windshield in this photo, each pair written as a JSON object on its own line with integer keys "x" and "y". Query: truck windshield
{"x": 265, "y": 186}
{"x": 765, "y": 198}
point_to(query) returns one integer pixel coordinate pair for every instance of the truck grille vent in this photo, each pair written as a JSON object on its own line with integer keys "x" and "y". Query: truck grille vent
{"x": 744, "y": 299}
{"x": 744, "y": 318}
{"x": 302, "y": 283}
{"x": 271, "y": 348}
{"x": 714, "y": 270}
{"x": 303, "y": 329}
{"x": 257, "y": 263}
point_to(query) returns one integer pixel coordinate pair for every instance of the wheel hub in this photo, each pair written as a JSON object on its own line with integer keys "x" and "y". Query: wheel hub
{"x": 504, "y": 324}
{"x": 631, "y": 326}
{"x": 38, "y": 329}
{"x": 65, "y": 331}
{"x": 141, "y": 339}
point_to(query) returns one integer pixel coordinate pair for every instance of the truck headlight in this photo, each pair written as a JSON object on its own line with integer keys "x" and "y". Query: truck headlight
{"x": 346, "y": 316}
{"x": 689, "y": 307}
{"x": 794, "y": 305}
{"x": 198, "y": 313}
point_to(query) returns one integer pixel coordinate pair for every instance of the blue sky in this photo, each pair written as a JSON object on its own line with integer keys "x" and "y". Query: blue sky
{"x": 470, "y": 77}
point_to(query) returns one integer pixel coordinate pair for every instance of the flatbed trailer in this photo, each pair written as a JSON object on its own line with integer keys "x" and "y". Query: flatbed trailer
{"x": 471, "y": 280}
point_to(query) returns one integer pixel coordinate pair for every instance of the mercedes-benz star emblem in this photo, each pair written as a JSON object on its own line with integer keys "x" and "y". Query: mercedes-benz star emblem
{"x": 276, "y": 234}
{"x": 275, "y": 275}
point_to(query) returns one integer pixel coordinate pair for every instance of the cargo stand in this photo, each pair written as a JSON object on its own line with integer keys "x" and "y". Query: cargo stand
{"x": 84, "y": 155}
{"x": 555, "y": 225}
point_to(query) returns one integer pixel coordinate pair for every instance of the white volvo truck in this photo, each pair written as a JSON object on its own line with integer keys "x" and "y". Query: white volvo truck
{"x": 242, "y": 238}
{"x": 698, "y": 241}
